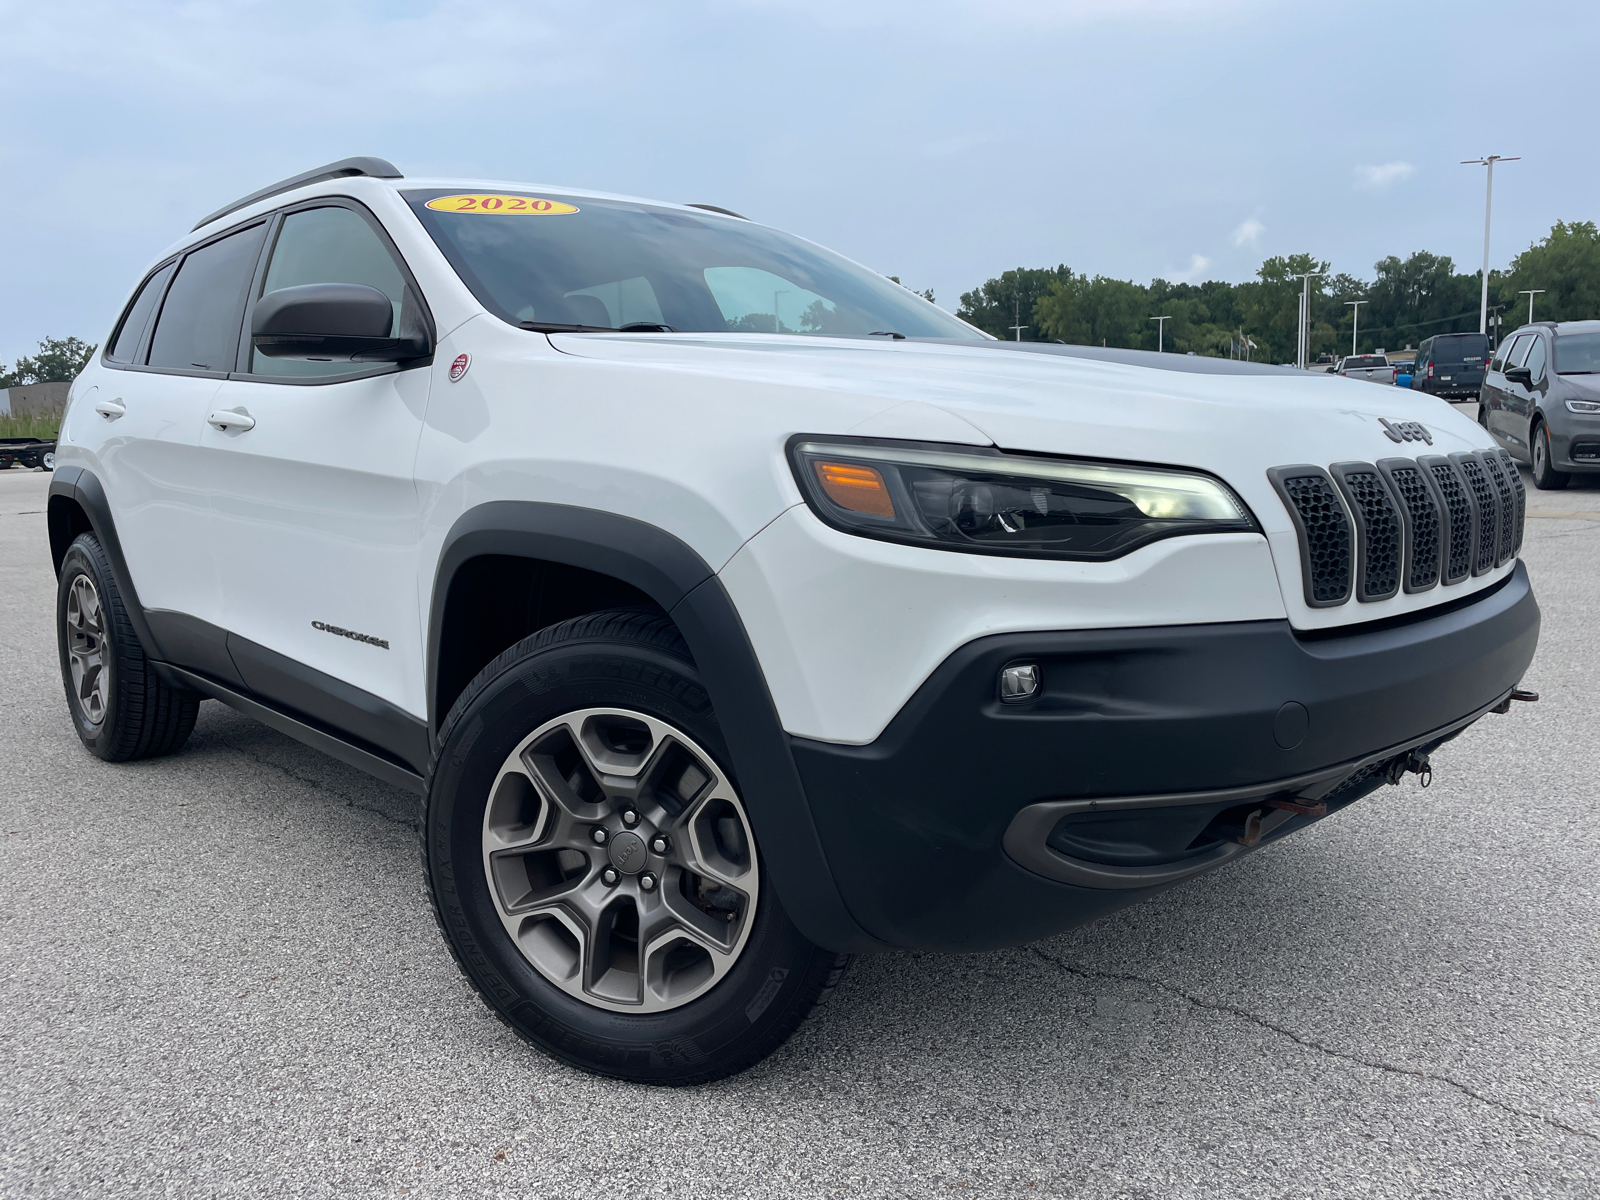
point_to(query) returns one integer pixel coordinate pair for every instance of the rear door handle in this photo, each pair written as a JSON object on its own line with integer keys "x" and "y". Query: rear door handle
{"x": 231, "y": 421}
{"x": 111, "y": 409}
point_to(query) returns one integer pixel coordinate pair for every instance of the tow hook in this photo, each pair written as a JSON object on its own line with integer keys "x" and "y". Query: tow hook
{"x": 1522, "y": 694}
{"x": 1415, "y": 763}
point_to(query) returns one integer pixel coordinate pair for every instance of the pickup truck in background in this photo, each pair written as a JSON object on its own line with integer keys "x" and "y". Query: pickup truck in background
{"x": 1374, "y": 368}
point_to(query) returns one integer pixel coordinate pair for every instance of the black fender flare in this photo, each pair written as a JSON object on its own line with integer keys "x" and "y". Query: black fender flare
{"x": 82, "y": 487}
{"x": 673, "y": 575}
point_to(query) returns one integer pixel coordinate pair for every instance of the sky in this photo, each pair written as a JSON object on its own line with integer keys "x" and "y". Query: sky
{"x": 938, "y": 141}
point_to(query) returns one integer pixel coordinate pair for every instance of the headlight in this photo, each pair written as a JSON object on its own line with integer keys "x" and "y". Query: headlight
{"x": 1583, "y": 406}
{"x": 990, "y": 502}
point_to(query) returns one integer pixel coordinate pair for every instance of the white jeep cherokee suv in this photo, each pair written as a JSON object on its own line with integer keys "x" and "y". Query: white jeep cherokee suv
{"x": 733, "y": 609}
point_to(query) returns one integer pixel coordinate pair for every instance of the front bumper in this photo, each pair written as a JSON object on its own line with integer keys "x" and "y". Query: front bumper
{"x": 946, "y": 833}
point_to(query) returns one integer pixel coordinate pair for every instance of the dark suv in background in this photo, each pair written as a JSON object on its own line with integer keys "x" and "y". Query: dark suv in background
{"x": 1451, "y": 365}
{"x": 1541, "y": 399}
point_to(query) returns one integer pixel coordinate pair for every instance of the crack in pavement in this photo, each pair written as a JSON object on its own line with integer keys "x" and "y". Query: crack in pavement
{"x": 317, "y": 784}
{"x": 1308, "y": 1043}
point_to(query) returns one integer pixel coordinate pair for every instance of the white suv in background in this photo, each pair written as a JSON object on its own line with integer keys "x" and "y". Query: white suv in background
{"x": 733, "y": 609}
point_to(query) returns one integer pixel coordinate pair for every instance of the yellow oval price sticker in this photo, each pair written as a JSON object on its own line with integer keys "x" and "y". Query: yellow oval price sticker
{"x": 489, "y": 202}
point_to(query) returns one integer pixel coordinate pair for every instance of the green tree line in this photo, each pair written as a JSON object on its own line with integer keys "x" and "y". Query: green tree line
{"x": 1408, "y": 299}
{"x": 58, "y": 361}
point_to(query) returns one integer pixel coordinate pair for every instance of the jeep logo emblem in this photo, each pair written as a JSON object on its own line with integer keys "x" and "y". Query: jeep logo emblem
{"x": 627, "y": 852}
{"x": 1405, "y": 431}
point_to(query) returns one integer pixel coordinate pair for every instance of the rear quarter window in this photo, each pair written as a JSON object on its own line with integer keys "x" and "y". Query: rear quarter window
{"x": 125, "y": 342}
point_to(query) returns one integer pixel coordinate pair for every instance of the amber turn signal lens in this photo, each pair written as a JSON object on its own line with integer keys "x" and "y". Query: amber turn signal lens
{"x": 859, "y": 489}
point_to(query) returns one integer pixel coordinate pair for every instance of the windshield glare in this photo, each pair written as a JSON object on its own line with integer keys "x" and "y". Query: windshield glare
{"x": 609, "y": 264}
{"x": 1577, "y": 353}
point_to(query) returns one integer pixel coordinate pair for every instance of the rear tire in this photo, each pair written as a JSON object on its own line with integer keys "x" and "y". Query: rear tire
{"x": 1545, "y": 477}
{"x": 676, "y": 968}
{"x": 120, "y": 707}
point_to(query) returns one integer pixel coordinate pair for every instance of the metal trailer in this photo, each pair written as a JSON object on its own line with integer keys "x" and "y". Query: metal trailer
{"x": 33, "y": 453}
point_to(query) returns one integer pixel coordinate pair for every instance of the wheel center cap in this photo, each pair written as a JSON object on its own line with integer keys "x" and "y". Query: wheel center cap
{"x": 628, "y": 852}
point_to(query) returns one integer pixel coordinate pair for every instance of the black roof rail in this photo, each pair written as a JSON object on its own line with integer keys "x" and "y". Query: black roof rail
{"x": 376, "y": 168}
{"x": 727, "y": 212}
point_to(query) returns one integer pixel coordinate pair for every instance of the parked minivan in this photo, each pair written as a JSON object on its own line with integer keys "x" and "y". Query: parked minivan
{"x": 1451, "y": 365}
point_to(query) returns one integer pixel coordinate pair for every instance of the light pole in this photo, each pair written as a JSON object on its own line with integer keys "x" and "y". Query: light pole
{"x": 1530, "y": 293}
{"x": 1494, "y": 321}
{"x": 1161, "y": 329}
{"x": 1355, "y": 321}
{"x": 1488, "y": 201}
{"x": 1304, "y": 355}
{"x": 1016, "y": 315}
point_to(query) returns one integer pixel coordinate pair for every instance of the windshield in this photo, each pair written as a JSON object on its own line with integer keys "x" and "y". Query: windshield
{"x": 549, "y": 260}
{"x": 1577, "y": 353}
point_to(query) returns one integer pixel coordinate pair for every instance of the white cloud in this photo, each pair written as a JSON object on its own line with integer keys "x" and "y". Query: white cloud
{"x": 1197, "y": 264}
{"x": 1248, "y": 232}
{"x": 1383, "y": 176}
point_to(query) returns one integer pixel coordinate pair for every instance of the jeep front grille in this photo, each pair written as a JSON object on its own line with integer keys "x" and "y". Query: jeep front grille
{"x": 1423, "y": 521}
{"x": 1372, "y": 530}
{"x": 1378, "y": 540}
{"x": 1460, "y": 514}
{"x": 1488, "y": 511}
{"x": 1324, "y": 527}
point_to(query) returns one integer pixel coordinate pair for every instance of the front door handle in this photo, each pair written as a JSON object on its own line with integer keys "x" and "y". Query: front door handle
{"x": 231, "y": 420}
{"x": 111, "y": 409}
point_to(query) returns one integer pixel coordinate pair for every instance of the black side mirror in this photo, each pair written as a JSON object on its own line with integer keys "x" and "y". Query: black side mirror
{"x": 1520, "y": 375}
{"x": 335, "y": 322}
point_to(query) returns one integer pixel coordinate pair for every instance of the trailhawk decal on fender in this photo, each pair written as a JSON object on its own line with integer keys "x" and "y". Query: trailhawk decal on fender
{"x": 351, "y": 634}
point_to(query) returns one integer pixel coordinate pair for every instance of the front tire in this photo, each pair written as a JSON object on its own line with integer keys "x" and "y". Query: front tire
{"x": 120, "y": 707}
{"x": 1545, "y": 477}
{"x": 593, "y": 868}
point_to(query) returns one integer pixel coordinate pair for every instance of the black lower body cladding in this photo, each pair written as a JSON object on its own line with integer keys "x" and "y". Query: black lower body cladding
{"x": 914, "y": 823}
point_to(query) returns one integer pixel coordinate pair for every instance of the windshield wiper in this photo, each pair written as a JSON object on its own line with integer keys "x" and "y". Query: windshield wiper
{"x": 888, "y": 333}
{"x": 562, "y": 327}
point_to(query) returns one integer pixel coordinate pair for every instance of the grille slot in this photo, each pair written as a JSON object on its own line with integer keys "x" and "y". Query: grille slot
{"x": 1326, "y": 544}
{"x": 1506, "y": 546}
{"x": 1482, "y": 491}
{"x": 1460, "y": 515}
{"x": 1519, "y": 496}
{"x": 1423, "y": 520}
{"x": 1379, "y": 544}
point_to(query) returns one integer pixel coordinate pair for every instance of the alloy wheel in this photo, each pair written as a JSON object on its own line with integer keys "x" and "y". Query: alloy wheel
{"x": 1541, "y": 451}
{"x": 86, "y": 650}
{"x": 620, "y": 860}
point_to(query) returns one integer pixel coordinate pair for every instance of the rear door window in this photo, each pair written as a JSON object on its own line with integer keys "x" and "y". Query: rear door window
{"x": 328, "y": 245}
{"x": 198, "y": 329}
{"x": 1468, "y": 348}
{"x": 130, "y": 333}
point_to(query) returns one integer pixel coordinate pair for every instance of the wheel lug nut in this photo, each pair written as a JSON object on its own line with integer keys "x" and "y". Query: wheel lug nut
{"x": 659, "y": 844}
{"x": 599, "y": 835}
{"x": 647, "y": 882}
{"x": 630, "y": 818}
{"x": 610, "y": 876}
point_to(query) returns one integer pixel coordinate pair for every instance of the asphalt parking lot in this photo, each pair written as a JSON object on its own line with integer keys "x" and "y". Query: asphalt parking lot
{"x": 219, "y": 976}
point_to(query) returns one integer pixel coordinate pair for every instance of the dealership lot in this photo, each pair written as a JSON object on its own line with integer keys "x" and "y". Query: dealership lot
{"x": 220, "y": 976}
